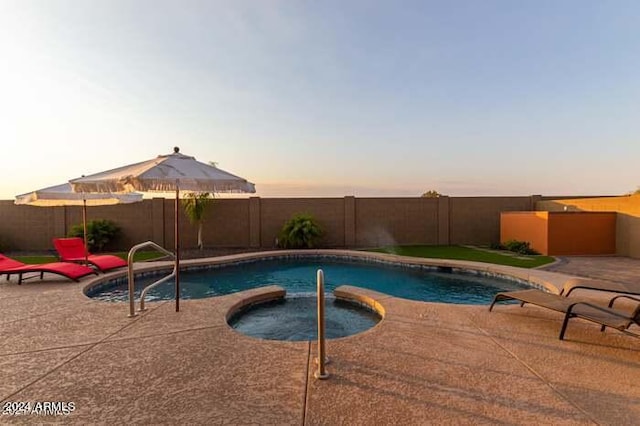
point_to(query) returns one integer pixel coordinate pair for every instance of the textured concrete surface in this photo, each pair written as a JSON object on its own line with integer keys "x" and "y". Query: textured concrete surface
{"x": 624, "y": 269}
{"x": 424, "y": 363}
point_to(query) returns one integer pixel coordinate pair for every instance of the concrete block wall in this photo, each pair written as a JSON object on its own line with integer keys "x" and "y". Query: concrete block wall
{"x": 476, "y": 220}
{"x": 385, "y": 222}
{"x": 255, "y": 222}
{"x": 329, "y": 212}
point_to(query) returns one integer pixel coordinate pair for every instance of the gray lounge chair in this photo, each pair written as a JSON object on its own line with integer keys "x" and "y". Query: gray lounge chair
{"x": 576, "y": 308}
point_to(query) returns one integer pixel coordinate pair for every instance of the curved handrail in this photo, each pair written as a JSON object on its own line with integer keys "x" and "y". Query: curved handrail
{"x": 150, "y": 286}
{"x": 130, "y": 275}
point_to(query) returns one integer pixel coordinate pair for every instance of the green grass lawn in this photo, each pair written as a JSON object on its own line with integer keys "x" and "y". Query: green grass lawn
{"x": 468, "y": 253}
{"x": 138, "y": 257}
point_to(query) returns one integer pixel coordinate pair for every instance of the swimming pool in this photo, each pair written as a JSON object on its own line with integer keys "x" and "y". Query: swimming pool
{"x": 297, "y": 275}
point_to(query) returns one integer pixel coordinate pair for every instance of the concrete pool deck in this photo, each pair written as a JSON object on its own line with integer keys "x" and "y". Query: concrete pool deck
{"x": 425, "y": 363}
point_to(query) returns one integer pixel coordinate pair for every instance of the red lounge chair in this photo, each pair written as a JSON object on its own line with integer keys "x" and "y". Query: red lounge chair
{"x": 72, "y": 271}
{"x": 72, "y": 250}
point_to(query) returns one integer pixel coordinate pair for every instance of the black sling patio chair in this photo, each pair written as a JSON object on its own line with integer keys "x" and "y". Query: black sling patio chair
{"x": 606, "y": 316}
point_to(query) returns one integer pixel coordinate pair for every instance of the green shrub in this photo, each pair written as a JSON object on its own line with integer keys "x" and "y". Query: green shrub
{"x": 301, "y": 231}
{"x": 520, "y": 247}
{"x": 99, "y": 233}
{"x": 496, "y": 246}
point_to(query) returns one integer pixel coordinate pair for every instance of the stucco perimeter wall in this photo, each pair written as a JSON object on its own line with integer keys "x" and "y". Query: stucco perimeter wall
{"x": 408, "y": 220}
{"x": 33, "y": 228}
{"x": 255, "y": 222}
{"x": 627, "y": 223}
{"x": 526, "y": 226}
{"x": 329, "y": 212}
{"x": 476, "y": 220}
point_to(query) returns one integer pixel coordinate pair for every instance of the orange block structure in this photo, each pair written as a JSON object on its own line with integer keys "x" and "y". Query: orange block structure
{"x": 562, "y": 233}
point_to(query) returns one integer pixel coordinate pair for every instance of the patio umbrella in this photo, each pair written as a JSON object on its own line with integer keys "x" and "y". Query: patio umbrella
{"x": 63, "y": 195}
{"x": 166, "y": 173}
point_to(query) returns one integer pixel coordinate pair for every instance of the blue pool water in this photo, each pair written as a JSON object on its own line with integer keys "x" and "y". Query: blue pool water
{"x": 299, "y": 276}
{"x": 294, "y": 318}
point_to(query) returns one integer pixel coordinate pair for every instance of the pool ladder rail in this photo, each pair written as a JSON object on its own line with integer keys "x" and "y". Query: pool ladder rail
{"x": 321, "y": 373}
{"x": 131, "y": 276}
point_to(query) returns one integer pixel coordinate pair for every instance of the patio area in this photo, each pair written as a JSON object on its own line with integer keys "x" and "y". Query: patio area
{"x": 425, "y": 363}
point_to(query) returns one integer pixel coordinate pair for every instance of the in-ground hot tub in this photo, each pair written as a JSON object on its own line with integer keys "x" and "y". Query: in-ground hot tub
{"x": 295, "y": 318}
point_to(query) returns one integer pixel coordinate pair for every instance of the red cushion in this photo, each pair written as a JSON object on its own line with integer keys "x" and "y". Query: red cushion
{"x": 69, "y": 248}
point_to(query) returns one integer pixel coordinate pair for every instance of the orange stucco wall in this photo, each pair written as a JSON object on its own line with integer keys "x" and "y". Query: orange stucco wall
{"x": 562, "y": 233}
{"x": 525, "y": 226}
{"x": 582, "y": 233}
{"x": 628, "y": 217}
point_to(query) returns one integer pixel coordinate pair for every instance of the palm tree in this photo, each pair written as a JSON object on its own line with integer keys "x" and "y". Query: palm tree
{"x": 195, "y": 206}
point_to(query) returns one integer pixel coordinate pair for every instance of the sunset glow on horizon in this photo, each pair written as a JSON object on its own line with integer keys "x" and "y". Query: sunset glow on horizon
{"x": 364, "y": 98}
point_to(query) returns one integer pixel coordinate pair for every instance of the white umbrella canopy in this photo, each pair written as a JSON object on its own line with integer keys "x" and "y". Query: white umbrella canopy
{"x": 63, "y": 195}
{"x": 166, "y": 173}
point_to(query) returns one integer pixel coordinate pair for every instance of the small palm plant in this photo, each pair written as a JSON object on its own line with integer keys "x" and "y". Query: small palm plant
{"x": 301, "y": 231}
{"x": 195, "y": 205}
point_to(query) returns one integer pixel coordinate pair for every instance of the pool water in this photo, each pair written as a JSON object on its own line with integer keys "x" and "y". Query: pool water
{"x": 295, "y": 318}
{"x": 299, "y": 276}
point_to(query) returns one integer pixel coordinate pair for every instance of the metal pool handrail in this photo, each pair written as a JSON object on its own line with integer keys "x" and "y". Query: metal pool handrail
{"x": 131, "y": 278}
{"x": 321, "y": 373}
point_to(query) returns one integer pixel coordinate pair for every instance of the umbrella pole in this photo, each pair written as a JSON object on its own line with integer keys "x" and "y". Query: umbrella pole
{"x": 177, "y": 245}
{"x": 84, "y": 230}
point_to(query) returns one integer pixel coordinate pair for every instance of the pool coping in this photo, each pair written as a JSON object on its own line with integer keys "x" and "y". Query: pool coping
{"x": 260, "y": 295}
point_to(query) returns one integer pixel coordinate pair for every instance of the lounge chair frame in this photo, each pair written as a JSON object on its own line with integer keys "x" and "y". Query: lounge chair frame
{"x": 611, "y": 318}
{"x": 38, "y": 273}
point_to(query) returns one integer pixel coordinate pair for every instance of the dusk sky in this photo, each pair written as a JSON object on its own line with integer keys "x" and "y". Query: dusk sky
{"x": 327, "y": 98}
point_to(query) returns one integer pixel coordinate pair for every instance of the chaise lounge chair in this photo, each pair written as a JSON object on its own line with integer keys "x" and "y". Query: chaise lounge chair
{"x": 576, "y": 308}
{"x": 72, "y": 250}
{"x": 72, "y": 271}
